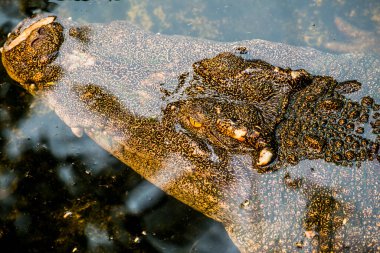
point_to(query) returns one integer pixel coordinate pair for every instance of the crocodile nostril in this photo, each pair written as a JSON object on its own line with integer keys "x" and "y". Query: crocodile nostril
{"x": 42, "y": 31}
{"x": 34, "y": 43}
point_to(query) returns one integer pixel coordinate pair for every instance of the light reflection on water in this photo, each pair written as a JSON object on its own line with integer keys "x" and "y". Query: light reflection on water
{"x": 46, "y": 171}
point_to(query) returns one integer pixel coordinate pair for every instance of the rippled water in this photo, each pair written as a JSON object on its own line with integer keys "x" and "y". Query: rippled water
{"x": 59, "y": 193}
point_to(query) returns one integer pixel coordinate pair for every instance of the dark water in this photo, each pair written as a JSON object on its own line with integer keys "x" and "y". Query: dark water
{"x": 59, "y": 193}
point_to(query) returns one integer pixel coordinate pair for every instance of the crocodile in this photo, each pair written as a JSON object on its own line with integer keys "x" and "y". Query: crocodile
{"x": 283, "y": 158}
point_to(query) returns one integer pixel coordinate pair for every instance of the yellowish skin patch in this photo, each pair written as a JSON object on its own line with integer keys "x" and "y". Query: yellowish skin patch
{"x": 194, "y": 122}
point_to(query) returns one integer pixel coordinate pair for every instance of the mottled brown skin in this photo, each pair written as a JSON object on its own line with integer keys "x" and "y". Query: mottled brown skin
{"x": 325, "y": 215}
{"x": 203, "y": 149}
{"x": 216, "y": 117}
{"x": 30, "y": 62}
{"x": 321, "y": 126}
{"x": 319, "y": 123}
{"x": 80, "y": 33}
{"x": 256, "y": 94}
{"x": 253, "y": 81}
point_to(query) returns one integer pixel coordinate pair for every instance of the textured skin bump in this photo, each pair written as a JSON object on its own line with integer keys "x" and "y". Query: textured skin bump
{"x": 30, "y": 50}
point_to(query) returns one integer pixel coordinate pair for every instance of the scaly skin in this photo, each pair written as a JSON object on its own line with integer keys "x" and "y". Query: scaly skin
{"x": 203, "y": 134}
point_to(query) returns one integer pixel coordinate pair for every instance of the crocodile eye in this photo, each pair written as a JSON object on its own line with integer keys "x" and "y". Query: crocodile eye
{"x": 194, "y": 122}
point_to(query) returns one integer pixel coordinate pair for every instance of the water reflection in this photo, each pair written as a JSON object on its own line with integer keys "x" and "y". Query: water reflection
{"x": 319, "y": 24}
